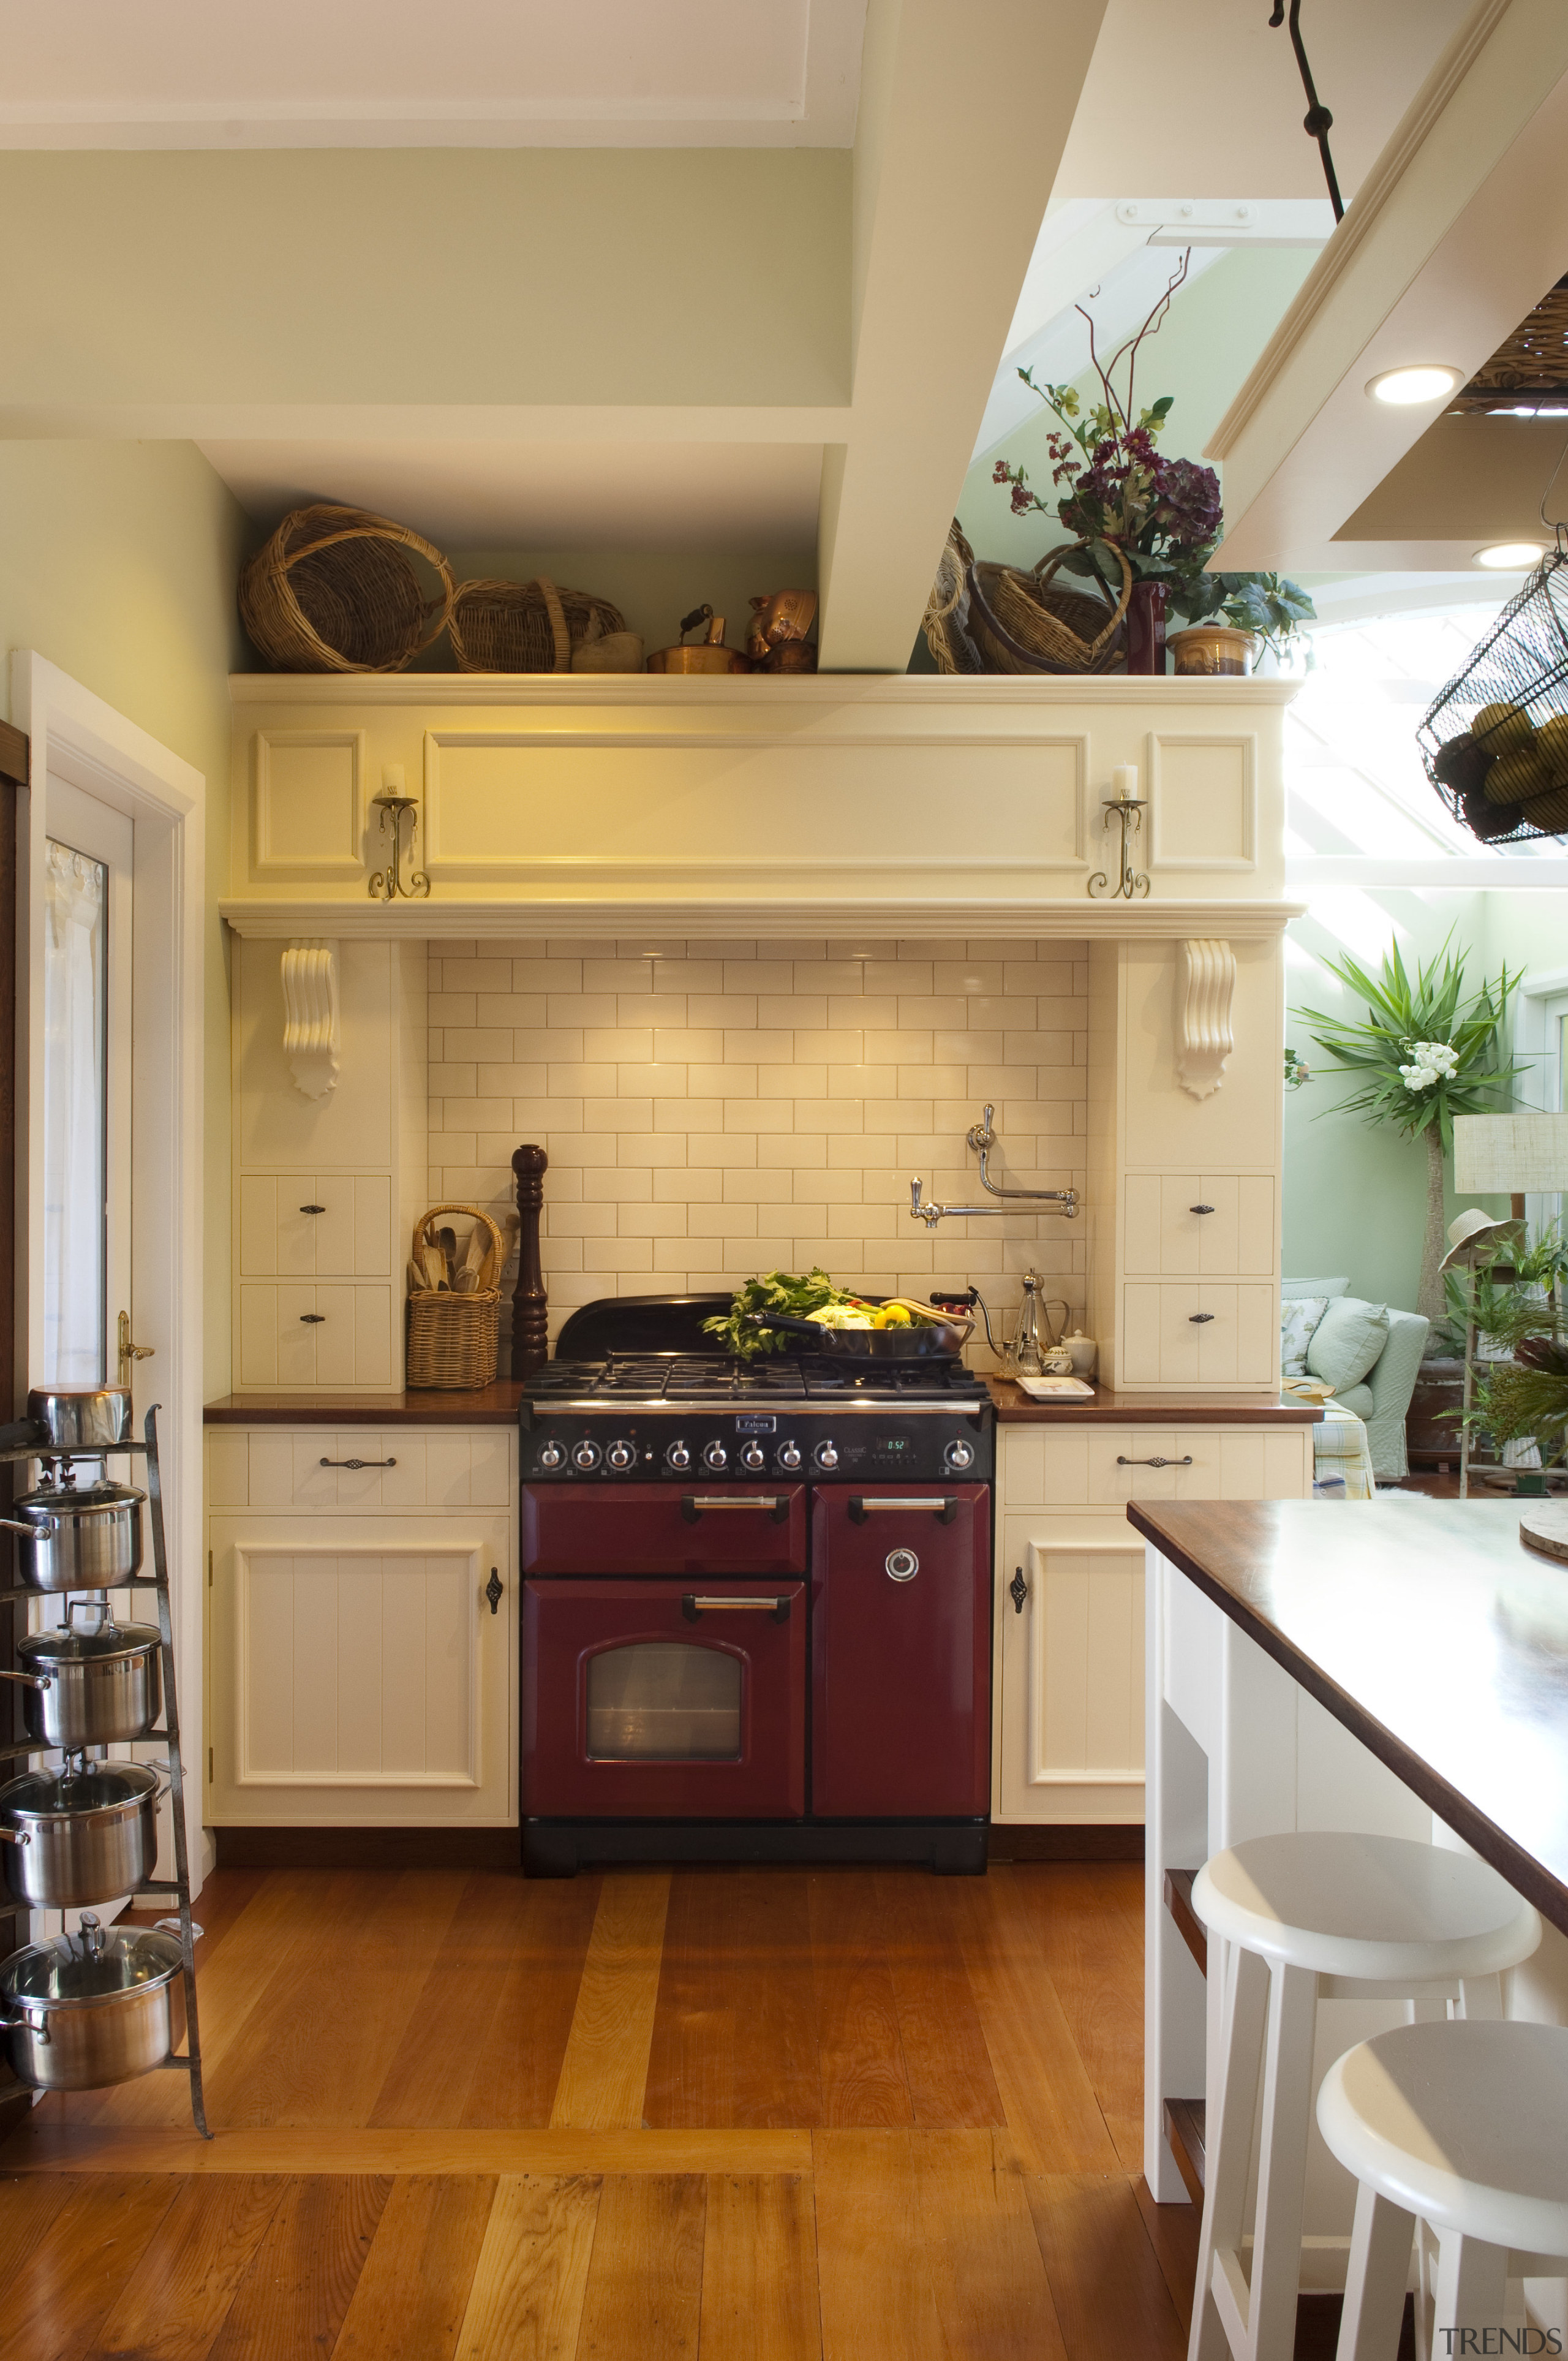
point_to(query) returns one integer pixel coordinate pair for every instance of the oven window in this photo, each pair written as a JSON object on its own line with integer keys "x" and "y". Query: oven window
{"x": 664, "y": 1701}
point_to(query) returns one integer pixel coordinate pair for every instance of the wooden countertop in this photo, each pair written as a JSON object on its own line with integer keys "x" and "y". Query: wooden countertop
{"x": 495, "y": 1405}
{"x": 1110, "y": 1409}
{"x": 1430, "y": 1631}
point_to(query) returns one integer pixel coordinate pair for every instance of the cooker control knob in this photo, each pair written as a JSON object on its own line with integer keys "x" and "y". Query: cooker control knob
{"x": 678, "y": 1458}
{"x": 755, "y": 1457}
{"x": 789, "y": 1458}
{"x": 827, "y": 1454}
{"x": 620, "y": 1455}
{"x": 585, "y": 1457}
{"x": 552, "y": 1456}
{"x": 958, "y": 1455}
{"x": 715, "y": 1459}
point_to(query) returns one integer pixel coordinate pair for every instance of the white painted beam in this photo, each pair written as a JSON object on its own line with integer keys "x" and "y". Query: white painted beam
{"x": 1461, "y": 227}
{"x": 964, "y": 115}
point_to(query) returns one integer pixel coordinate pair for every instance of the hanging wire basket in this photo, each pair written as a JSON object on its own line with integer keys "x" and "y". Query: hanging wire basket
{"x": 1495, "y": 743}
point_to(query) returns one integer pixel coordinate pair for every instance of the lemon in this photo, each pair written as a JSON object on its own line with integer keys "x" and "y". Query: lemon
{"x": 896, "y": 1315}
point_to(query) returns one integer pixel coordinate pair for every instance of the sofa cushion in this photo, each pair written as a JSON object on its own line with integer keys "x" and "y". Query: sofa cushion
{"x": 1327, "y": 1287}
{"x": 1299, "y": 1315}
{"x": 1357, "y": 1398}
{"x": 1346, "y": 1341}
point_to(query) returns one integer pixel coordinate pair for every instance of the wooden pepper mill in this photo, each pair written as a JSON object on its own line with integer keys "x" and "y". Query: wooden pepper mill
{"x": 529, "y": 1303}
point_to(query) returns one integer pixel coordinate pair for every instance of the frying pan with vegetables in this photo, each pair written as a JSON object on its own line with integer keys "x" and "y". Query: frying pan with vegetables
{"x": 928, "y": 1340}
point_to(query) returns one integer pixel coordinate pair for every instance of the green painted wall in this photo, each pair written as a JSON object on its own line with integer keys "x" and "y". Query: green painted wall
{"x": 117, "y": 562}
{"x": 1201, "y": 354}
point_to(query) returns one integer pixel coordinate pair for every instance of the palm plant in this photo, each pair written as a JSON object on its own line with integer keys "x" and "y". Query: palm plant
{"x": 1427, "y": 1051}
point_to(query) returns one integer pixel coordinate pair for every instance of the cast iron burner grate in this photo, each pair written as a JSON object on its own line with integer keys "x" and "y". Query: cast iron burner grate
{"x": 716, "y": 1377}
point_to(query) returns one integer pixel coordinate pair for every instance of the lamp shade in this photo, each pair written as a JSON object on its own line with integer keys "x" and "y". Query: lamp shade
{"x": 1514, "y": 1155}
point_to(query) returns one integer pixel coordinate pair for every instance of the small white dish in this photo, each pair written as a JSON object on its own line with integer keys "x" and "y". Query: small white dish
{"x": 1055, "y": 1389}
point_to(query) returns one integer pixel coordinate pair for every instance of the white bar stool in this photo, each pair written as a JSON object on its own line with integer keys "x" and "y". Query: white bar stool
{"x": 1311, "y": 1916}
{"x": 1463, "y": 2127}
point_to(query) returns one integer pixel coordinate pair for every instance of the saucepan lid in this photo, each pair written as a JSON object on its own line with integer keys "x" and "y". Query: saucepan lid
{"x": 70, "y": 1793}
{"x": 94, "y": 1965}
{"x": 99, "y": 1642}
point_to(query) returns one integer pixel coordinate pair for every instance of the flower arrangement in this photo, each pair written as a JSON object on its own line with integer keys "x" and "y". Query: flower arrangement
{"x": 1427, "y": 1051}
{"x": 1117, "y": 492}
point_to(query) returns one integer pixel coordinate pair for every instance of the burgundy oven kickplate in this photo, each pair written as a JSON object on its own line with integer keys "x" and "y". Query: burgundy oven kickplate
{"x": 663, "y": 1700}
{"x": 660, "y": 1529}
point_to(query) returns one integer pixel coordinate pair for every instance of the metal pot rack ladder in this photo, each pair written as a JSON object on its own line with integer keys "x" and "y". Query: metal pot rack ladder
{"x": 189, "y": 2062}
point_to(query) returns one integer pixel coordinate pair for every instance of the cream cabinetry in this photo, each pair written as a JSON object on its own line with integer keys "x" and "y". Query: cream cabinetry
{"x": 1201, "y": 1225}
{"x": 362, "y": 1627}
{"x": 1204, "y": 1333}
{"x": 1068, "y": 1717}
{"x": 327, "y": 1188}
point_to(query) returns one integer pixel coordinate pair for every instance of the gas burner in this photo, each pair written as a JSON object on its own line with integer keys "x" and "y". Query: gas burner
{"x": 718, "y": 1379}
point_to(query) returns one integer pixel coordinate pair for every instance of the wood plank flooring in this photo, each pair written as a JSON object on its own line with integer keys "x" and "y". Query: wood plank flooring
{"x": 696, "y": 2115}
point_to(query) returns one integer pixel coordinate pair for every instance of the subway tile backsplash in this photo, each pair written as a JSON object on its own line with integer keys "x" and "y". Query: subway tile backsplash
{"x": 714, "y": 1109}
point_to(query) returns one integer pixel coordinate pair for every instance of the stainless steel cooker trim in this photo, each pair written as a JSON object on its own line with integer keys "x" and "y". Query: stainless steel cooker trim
{"x": 723, "y": 1405}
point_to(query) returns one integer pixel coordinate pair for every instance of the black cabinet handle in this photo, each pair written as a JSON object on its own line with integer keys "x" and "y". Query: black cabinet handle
{"x": 1197, "y": 1318}
{"x": 312, "y": 1209}
{"x": 359, "y": 1462}
{"x": 312, "y": 1319}
{"x": 1017, "y": 1590}
{"x": 1200, "y": 1209}
{"x": 492, "y": 1587}
{"x": 1121, "y": 1462}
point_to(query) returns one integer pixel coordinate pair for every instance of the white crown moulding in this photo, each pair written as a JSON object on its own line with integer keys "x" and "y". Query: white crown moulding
{"x": 312, "y": 1035}
{"x": 1205, "y": 985}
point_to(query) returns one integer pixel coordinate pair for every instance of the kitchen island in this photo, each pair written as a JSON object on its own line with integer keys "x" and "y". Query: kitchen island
{"x": 1384, "y": 1668}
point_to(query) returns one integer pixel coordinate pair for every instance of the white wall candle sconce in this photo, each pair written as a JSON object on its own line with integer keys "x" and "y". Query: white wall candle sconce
{"x": 1205, "y": 987}
{"x": 312, "y": 1032}
{"x": 391, "y": 804}
{"x": 1124, "y": 806}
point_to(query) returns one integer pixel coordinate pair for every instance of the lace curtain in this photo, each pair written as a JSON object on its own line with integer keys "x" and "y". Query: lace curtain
{"x": 75, "y": 943}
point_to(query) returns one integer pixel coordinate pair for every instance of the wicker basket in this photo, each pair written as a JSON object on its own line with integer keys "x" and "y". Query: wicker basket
{"x": 333, "y": 591}
{"x": 526, "y": 626}
{"x": 451, "y": 1338}
{"x": 1028, "y": 622}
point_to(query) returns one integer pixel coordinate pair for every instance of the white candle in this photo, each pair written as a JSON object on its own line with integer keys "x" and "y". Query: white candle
{"x": 1124, "y": 783}
{"x": 391, "y": 778}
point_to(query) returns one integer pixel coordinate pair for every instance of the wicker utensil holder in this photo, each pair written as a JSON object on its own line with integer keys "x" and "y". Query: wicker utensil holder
{"x": 451, "y": 1338}
{"x": 525, "y": 626}
{"x": 333, "y": 591}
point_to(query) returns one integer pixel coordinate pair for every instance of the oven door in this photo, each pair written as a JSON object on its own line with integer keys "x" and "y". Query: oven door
{"x": 900, "y": 1622}
{"x": 669, "y": 1700}
{"x": 688, "y": 1528}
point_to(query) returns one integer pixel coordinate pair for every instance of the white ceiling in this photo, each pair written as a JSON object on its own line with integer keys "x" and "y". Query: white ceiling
{"x": 375, "y": 73}
{"x": 493, "y": 495}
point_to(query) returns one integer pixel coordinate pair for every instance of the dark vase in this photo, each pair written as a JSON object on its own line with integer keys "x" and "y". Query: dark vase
{"x": 1146, "y": 628}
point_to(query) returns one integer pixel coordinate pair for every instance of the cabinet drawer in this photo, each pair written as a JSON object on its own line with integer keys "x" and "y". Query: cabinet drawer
{"x": 295, "y": 1336}
{"x": 350, "y": 1236}
{"x": 278, "y": 1467}
{"x": 1206, "y": 1333}
{"x": 1201, "y": 1225}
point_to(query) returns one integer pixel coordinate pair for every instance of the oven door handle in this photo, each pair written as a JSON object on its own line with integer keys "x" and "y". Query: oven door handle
{"x": 692, "y": 1608}
{"x": 943, "y": 1509}
{"x": 693, "y": 1503}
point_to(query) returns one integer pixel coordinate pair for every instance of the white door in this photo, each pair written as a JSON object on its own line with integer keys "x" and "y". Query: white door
{"x": 83, "y": 1241}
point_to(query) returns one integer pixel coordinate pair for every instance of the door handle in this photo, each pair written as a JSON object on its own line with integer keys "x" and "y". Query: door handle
{"x": 944, "y": 1510}
{"x": 130, "y": 1354}
{"x": 492, "y": 1587}
{"x": 312, "y": 1320}
{"x": 321, "y": 1209}
{"x": 692, "y": 1608}
{"x": 1200, "y": 1209}
{"x": 1198, "y": 1318}
{"x": 1017, "y": 1590}
{"x": 1122, "y": 1461}
{"x": 693, "y": 1504}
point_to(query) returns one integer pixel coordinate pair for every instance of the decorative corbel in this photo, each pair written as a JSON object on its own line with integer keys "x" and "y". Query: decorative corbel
{"x": 311, "y": 1035}
{"x": 1205, "y": 985}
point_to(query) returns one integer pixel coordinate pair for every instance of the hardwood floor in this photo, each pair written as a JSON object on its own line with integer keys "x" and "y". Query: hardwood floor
{"x": 740, "y": 2116}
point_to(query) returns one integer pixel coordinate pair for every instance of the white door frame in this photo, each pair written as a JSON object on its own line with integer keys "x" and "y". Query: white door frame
{"x": 80, "y": 738}
{"x": 1536, "y": 1040}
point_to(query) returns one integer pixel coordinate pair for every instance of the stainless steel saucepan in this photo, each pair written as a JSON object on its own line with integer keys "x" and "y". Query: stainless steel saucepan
{"x": 77, "y": 1538}
{"x": 933, "y": 1340}
{"x": 78, "y": 1834}
{"x": 90, "y": 1682}
{"x": 87, "y": 2009}
{"x": 82, "y": 1417}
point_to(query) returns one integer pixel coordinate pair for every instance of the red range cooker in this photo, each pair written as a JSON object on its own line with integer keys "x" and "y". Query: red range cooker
{"x": 757, "y": 1601}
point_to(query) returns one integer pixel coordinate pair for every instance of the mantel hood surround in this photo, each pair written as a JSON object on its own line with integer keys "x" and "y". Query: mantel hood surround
{"x": 883, "y": 806}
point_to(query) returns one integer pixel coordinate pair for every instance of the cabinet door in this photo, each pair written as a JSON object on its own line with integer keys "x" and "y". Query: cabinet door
{"x": 1071, "y": 1614}
{"x": 1201, "y": 1225}
{"x": 1206, "y": 1333}
{"x": 357, "y": 1673}
{"x": 315, "y": 1226}
{"x": 296, "y": 1336}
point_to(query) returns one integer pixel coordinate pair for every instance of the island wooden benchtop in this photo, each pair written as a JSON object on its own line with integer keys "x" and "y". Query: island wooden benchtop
{"x": 495, "y": 1405}
{"x": 1430, "y": 1631}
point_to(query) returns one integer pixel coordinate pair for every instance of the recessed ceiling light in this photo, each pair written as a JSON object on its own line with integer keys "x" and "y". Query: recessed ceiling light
{"x": 1427, "y": 381}
{"x": 1511, "y": 555}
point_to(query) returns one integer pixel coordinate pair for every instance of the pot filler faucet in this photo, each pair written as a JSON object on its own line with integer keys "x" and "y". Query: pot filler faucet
{"x": 981, "y": 1137}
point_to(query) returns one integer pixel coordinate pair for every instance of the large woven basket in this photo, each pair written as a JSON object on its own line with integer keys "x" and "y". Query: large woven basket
{"x": 526, "y": 626}
{"x": 451, "y": 1338}
{"x": 334, "y": 591}
{"x": 1028, "y": 622}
